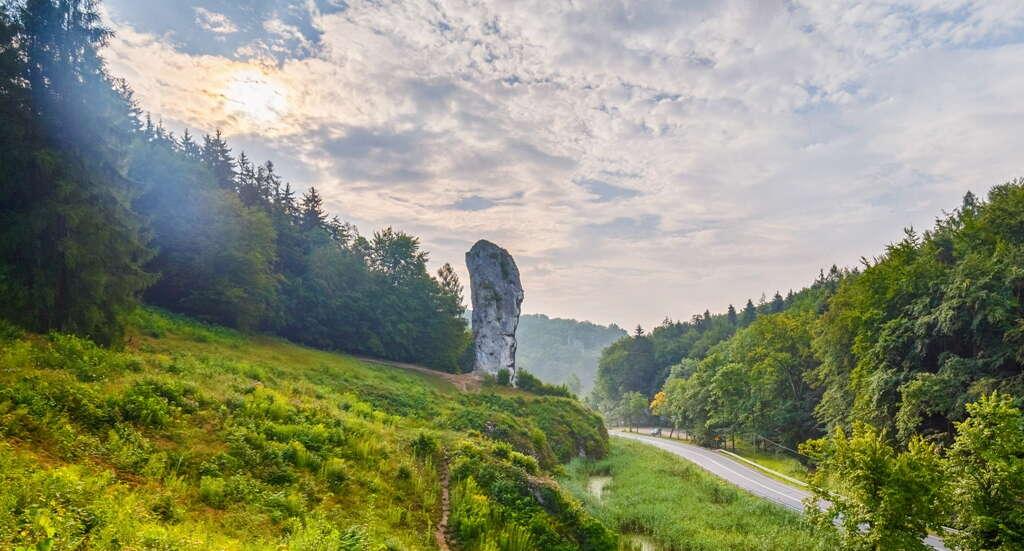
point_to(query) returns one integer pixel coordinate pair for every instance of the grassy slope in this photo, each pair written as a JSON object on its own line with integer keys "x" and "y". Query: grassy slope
{"x": 200, "y": 437}
{"x": 655, "y": 493}
{"x": 784, "y": 464}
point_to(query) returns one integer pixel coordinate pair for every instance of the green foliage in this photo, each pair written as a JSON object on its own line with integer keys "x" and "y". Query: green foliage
{"x": 930, "y": 326}
{"x": 497, "y": 503}
{"x": 552, "y": 430}
{"x": 901, "y": 348}
{"x": 679, "y": 506}
{"x": 71, "y": 249}
{"x": 100, "y": 208}
{"x": 754, "y": 383}
{"x": 503, "y": 377}
{"x": 880, "y": 498}
{"x": 645, "y": 362}
{"x": 199, "y": 437}
{"x": 985, "y": 469}
{"x": 632, "y": 408}
{"x": 424, "y": 446}
{"x": 527, "y": 382}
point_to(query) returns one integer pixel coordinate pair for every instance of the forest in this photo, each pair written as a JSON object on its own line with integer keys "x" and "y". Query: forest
{"x": 563, "y": 351}
{"x": 901, "y": 377}
{"x": 103, "y": 209}
{"x": 186, "y": 344}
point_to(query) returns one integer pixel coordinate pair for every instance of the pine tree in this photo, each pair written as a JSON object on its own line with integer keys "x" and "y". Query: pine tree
{"x": 285, "y": 201}
{"x": 312, "y": 210}
{"x": 749, "y": 314}
{"x": 778, "y": 304}
{"x": 246, "y": 181}
{"x": 216, "y": 156}
{"x": 451, "y": 286}
{"x": 71, "y": 249}
{"x": 269, "y": 183}
{"x": 189, "y": 147}
{"x": 731, "y": 315}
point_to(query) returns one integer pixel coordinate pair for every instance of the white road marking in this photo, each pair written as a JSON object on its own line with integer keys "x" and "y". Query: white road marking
{"x": 681, "y": 450}
{"x": 701, "y": 458}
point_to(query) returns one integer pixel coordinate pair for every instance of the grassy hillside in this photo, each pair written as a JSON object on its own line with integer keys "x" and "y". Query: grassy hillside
{"x": 196, "y": 436}
{"x": 678, "y": 506}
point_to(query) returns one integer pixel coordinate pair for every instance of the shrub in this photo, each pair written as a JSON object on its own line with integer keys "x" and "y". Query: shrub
{"x": 878, "y": 497}
{"x": 141, "y": 404}
{"x": 526, "y": 462}
{"x": 335, "y": 472}
{"x": 83, "y": 358}
{"x": 127, "y": 448}
{"x": 503, "y": 377}
{"x": 165, "y": 509}
{"x": 211, "y": 491}
{"x": 985, "y": 468}
{"x": 316, "y": 533}
{"x": 297, "y": 454}
{"x": 424, "y": 446}
{"x": 530, "y": 383}
{"x": 9, "y": 332}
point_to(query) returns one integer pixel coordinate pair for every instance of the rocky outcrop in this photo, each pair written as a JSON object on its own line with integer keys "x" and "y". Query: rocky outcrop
{"x": 497, "y": 295}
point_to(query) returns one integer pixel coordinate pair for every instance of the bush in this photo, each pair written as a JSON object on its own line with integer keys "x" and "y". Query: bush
{"x": 211, "y": 491}
{"x": 526, "y": 462}
{"x": 9, "y": 332}
{"x": 878, "y": 497}
{"x": 503, "y": 377}
{"x": 424, "y": 446}
{"x": 530, "y": 383}
{"x": 335, "y": 472}
{"x": 142, "y": 405}
{"x": 317, "y": 533}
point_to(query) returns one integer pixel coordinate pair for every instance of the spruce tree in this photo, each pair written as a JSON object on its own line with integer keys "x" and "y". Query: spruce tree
{"x": 451, "y": 286}
{"x": 216, "y": 156}
{"x": 749, "y": 314}
{"x": 189, "y": 147}
{"x": 71, "y": 249}
{"x": 312, "y": 210}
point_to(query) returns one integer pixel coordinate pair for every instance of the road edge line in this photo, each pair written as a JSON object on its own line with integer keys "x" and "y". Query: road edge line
{"x": 763, "y": 468}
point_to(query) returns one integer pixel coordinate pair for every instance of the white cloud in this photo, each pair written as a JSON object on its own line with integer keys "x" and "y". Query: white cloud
{"x": 214, "y": 22}
{"x": 760, "y": 141}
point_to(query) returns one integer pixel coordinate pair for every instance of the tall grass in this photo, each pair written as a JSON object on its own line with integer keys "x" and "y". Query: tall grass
{"x": 199, "y": 437}
{"x": 681, "y": 507}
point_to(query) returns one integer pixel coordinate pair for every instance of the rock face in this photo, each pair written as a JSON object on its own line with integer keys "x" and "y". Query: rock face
{"x": 497, "y": 295}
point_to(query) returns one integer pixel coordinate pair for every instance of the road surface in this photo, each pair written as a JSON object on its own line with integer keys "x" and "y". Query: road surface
{"x": 738, "y": 474}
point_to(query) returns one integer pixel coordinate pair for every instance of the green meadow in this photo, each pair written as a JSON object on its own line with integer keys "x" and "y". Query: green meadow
{"x": 199, "y": 437}
{"x": 677, "y": 506}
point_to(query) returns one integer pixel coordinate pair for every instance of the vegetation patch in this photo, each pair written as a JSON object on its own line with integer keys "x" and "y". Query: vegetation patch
{"x": 656, "y": 494}
{"x": 200, "y": 437}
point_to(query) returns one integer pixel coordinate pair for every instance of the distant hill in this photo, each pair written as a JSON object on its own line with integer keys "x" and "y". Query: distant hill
{"x": 554, "y": 349}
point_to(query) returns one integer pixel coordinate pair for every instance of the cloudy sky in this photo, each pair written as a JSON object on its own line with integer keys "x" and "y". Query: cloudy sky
{"x": 639, "y": 159}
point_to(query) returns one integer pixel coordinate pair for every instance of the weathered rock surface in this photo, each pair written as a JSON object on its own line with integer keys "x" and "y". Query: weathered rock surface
{"x": 497, "y": 294}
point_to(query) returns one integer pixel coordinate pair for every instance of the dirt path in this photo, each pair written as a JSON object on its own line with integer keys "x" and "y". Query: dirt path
{"x": 441, "y": 534}
{"x": 464, "y": 381}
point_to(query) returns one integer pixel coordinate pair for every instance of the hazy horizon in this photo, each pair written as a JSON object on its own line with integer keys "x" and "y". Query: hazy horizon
{"x": 638, "y": 161}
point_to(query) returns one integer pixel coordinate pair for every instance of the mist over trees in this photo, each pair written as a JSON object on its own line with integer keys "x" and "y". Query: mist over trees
{"x": 563, "y": 351}
{"x": 102, "y": 208}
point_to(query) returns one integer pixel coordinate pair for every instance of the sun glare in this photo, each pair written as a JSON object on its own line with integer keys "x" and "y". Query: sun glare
{"x": 256, "y": 96}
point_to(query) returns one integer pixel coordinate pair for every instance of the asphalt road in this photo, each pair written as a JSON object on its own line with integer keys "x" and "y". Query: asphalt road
{"x": 738, "y": 474}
